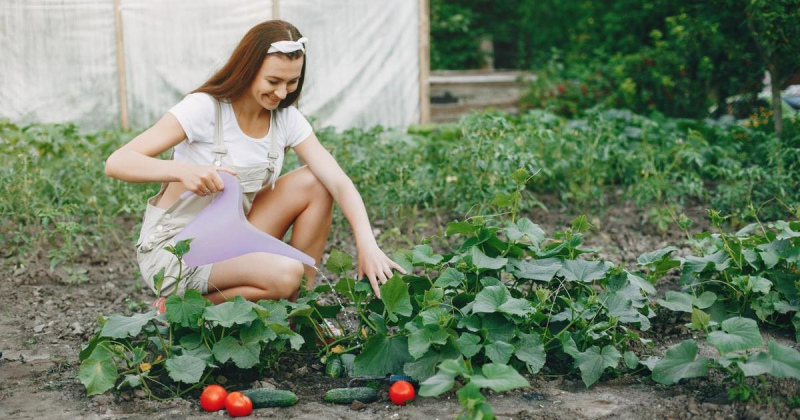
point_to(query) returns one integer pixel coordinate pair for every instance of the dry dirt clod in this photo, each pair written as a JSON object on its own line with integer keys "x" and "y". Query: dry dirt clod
{"x": 357, "y": 406}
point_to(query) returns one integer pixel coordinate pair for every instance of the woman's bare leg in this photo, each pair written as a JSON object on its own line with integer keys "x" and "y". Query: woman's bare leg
{"x": 254, "y": 276}
{"x": 299, "y": 199}
{"x": 302, "y": 201}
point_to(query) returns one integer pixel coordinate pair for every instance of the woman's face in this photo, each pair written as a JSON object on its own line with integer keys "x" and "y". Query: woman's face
{"x": 278, "y": 76}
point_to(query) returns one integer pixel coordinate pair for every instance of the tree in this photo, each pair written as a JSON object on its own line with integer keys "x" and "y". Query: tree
{"x": 775, "y": 26}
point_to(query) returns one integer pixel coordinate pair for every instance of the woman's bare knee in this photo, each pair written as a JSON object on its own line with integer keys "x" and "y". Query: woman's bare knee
{"x": 284, "y": 278}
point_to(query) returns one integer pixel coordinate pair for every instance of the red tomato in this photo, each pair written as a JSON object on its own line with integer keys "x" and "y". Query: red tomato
{"x": 213, "y": 398}
{"x": 401, "y": 392}
{"x": 238, "y": 405}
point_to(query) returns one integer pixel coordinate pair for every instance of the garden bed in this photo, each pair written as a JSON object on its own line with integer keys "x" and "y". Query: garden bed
{"x": 44, "y": 322}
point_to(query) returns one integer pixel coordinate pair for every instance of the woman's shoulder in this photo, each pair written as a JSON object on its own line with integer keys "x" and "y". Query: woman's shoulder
{"x": 195, "y": 114}
{"x": 292, "y": 124}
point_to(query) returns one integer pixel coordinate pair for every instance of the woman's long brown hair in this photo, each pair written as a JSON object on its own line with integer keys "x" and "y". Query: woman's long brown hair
{"x": 236, "y": 76}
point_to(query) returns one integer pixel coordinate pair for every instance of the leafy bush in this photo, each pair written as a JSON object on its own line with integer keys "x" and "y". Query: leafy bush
{"x": 750, "y": 273}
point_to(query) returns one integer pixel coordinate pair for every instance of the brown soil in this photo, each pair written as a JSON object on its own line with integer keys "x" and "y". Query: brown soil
{"x": 44, "y": 321}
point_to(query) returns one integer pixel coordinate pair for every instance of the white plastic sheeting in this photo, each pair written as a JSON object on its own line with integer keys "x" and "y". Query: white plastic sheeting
{"x": 58, "y": 62}
{"x": 59, "y": 57}
{"x": 363, "y": 60}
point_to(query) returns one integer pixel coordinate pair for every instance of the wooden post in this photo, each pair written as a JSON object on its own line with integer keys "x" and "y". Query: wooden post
{"x": 276, "y": 9}
{"x": 123, "y": 90}
{"x": 424, "y": 61}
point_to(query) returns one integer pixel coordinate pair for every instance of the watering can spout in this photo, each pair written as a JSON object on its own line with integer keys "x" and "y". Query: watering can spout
{"x": 221, "y": 231}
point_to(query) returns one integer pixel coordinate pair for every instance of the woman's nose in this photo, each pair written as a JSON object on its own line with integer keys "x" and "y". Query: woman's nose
{"x": 281, "y": 92}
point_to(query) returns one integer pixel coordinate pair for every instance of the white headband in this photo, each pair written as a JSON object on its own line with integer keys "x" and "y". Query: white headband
{"x": 288, "y": 46}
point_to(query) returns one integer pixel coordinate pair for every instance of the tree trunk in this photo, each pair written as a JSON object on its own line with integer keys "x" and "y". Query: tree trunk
{"x": 777, "y": 106}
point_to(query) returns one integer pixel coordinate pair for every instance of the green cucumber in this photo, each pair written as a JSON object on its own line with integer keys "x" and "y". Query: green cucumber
{"x": 348, "y": 395}
{"x": 263, "y": 397}
{"x": 334, "y": 367}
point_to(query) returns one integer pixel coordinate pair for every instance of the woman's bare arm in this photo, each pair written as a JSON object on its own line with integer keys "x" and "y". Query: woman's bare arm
{"x": 136, "y": 161}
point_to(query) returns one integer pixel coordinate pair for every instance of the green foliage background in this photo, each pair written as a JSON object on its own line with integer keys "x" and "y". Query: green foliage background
{"x": 676, "y": 57}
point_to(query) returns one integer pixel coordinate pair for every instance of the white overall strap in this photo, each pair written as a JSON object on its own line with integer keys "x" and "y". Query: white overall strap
{"x": 273, "y": 154}
{"x": 219, "y": 143}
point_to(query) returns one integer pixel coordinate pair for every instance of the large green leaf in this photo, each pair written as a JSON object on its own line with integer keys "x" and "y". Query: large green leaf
{"x": 496, "y": 327}
{"x": 785, "y": 361}
{"x": 705, "y": 300}
{"x": 641, "y": 283}
{"x": 756, "y": 364}
{"x": 437, "y": 384}
{"x": 490, "y": 298}
{"x": 691, "y": 265}
{"x": 339, "y": 262}
{"x": 228, "y": 314}
{"x": 524, "y": 227}
{"x": 243, "y": 356}
{"x": 185, "y": 368}
{"x": 654, "y": 257}
{"x": 420, "y": 340}
{"x": 98, "y": 376}
{"x": 538, "y": 270}
{"x": 403, "y": 259}
{"x": 700, "y": 320}
{"x": 499, "y": 378}
{"x": 738, "y": 334}
{"x": 499, "y": 352}
{"x": 583, "y": 271}
{"x": 396, "y": 299}
{"x": 594, "y": 361}
{"x": 680, "y": 362}
{"x": 425, "y": 367}
{"x": 497, "y": 299}
{"x": 485, "y": 262}
{"x": 631, "y": 360}
{"x": 257, "y": 332}
{"x": 424, "y": 254}
{"x": 450, "y": 278}
{"x": 187, "y": 310}
{"x": 118, "y": 326}
{"x": 676, "y": 301}
{"x": 470, "y": 397}
{"x": 382, "y": 356}
{"x": 530, "y": 349}
{"x": 469, "y": 344}
{"x": 620, "y": 307}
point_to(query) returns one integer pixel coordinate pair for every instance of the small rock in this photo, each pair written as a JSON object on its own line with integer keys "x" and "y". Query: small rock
{"x": 693, "y": 408}
{"x": 89, "y": 304}
{"x": 139, "y": 394}
{"x": 102, "y": 399}
{"x": 357, "y": 406}
{"x": 77, "y": 329}
{"x": 317, "y": 367}
{"x": 222, "y": 380}
{"x": 263, "y": 385}
{"x": 38, "y": 328}
{"x": 126, "y": 396}
{"x": 303, "y": 370}
{"x": 110, "y": 285}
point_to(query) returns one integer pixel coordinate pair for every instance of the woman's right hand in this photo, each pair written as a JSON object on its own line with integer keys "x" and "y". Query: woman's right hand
{"x": 203, "y": 180}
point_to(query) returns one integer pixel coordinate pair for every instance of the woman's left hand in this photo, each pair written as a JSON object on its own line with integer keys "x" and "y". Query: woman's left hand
{"x": 375, "y": 265}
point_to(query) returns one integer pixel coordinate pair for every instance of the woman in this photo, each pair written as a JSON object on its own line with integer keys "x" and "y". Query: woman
{"x": 252, "y": 97}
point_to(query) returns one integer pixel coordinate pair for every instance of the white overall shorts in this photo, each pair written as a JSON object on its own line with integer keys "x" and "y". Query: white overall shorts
{"x": 160, "y": 226}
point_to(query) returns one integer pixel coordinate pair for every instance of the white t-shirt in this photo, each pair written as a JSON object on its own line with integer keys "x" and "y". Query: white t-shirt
{"x": 196, "y": 115}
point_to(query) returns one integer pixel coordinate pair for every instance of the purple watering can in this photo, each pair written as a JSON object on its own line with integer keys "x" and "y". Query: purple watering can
{"x": 221, "y": 231}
